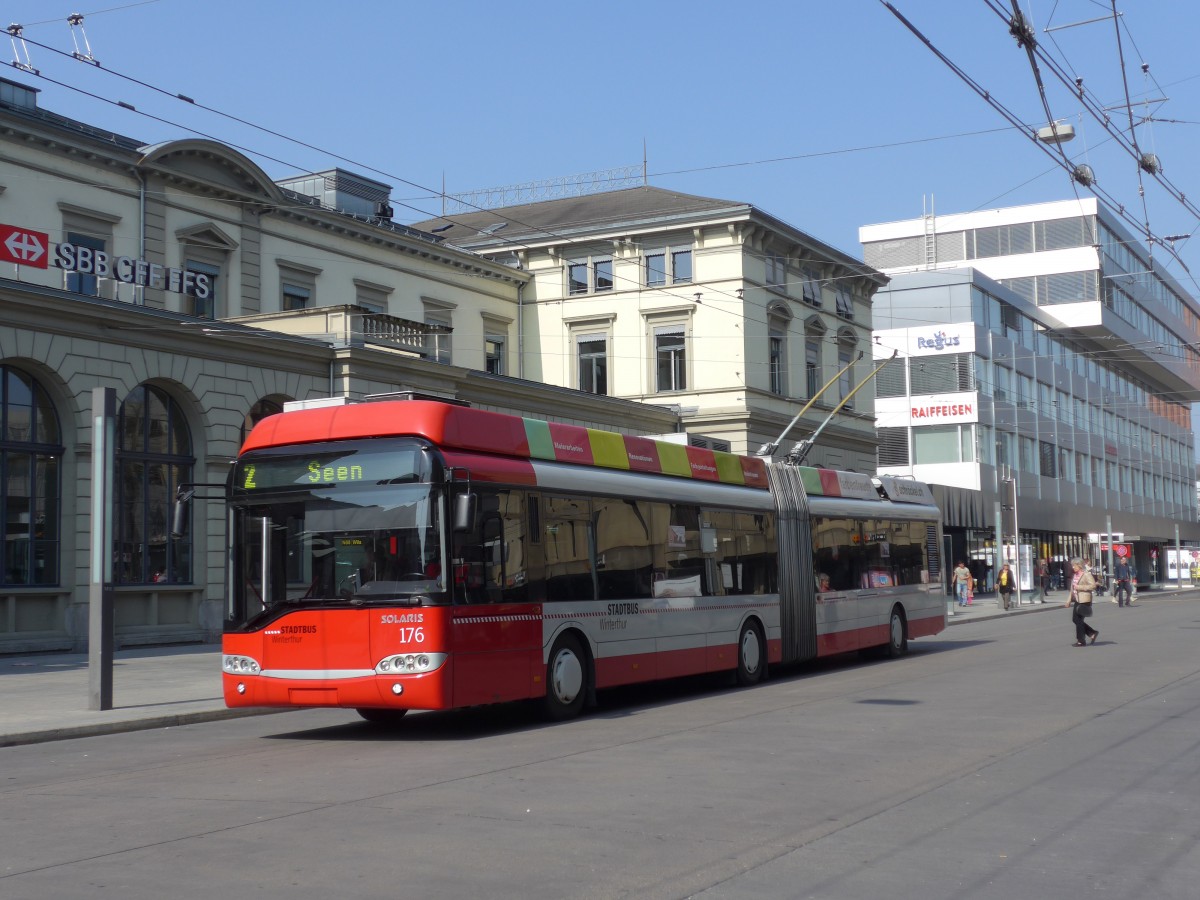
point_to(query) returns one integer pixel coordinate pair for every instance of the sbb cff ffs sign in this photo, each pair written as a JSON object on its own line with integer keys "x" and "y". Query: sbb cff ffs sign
{"x": 32, "y": 248}
{"x": 24, "y": 247}
{"x": 86, "y": 261}
{"x": 1120, "y": 551}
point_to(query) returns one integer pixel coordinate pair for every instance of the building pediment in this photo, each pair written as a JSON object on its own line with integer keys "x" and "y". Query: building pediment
{"x": 209, "y": 167}
{"x": 206, "y": 234}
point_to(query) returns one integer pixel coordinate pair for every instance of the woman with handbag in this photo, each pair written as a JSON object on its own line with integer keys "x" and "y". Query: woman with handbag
{"x": 1083, "y": 586}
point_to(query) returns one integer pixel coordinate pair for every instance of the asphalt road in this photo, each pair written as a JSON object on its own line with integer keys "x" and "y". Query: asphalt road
{"x": 996, "y": 761}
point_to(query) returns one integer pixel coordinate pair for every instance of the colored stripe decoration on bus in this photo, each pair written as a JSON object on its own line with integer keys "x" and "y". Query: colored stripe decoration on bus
{"x": 480, "y": 430}
{"x": 591, "y": 447}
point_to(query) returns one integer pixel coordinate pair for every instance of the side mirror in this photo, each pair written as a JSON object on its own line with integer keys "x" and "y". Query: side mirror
{"x": 466, "y": 507}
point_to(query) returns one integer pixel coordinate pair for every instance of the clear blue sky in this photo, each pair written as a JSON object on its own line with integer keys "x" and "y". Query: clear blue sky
{"x": 828, "y": 115}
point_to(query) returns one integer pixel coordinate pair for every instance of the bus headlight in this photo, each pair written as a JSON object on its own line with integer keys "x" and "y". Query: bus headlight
{"x": 240, "y": 665}
{"x": 410, "y": 663}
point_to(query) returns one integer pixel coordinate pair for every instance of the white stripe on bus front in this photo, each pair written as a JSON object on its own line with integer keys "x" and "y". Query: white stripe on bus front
{"x": 315, "y": 674}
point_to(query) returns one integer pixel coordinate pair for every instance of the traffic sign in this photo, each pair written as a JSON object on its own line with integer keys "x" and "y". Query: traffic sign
{"x": 24, "y": 247}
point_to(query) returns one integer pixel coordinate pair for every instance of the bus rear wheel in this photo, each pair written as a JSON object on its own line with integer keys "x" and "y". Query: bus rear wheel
{"x": 897, "y": 644}
{"x": 566, "y": 679}
{"x": 752, "y": 657}
{"x": 382, "y": 716}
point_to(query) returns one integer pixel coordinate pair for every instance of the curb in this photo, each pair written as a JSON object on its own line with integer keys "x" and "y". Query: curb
{"x": 96, "y": 729}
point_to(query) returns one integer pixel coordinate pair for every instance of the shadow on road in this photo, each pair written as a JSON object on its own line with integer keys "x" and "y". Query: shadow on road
{"x": 511, "y": 718}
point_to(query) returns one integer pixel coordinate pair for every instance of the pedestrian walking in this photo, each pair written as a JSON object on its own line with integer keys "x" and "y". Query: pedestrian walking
{"x": 962, "y": 583}
{"x": 1042, "y": 574}
{"x": 1124, "y": 578}
{"x": 1004, "y": 585}
{"x": 1083, "y": 588}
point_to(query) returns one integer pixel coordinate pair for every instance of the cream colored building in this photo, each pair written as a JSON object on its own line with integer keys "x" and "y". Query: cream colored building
{"x": 708, "y": 306}
{"x": 205, "y": 295}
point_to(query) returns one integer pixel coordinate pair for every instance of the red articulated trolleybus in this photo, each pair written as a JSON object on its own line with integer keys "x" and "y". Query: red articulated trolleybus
{"x": 416, "y": 554}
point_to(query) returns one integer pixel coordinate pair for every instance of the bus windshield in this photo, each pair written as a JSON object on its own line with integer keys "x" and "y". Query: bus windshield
{"x": 335, "y": 527}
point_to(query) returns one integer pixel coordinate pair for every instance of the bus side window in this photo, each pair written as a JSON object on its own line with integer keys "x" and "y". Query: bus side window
{"x": 566, "y": 543}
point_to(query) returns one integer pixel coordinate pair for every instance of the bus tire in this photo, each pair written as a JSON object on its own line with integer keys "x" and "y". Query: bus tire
{"x": 752, "y": 655}
{"x": 382, "y": 716}
{"x": 897, "y": 645}
{"x": 566, "y": 679}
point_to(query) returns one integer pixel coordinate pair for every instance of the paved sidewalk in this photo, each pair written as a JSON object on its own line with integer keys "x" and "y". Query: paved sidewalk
{"x": 44, "y": 697}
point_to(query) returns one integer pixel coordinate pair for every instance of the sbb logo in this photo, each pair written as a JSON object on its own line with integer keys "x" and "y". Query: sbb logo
{"x": 24, "y": 247}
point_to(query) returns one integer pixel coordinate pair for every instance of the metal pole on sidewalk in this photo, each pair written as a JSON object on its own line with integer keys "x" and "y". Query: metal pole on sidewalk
{"x": 1111, "y": 570}
{"x": 1178, "y": 561}
{"x": 1016, "y": 536}
{"x": 998, "y": 559}
{"x": 100, "y": 593}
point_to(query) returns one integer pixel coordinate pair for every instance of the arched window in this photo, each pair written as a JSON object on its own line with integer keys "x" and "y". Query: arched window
{"x": 814, "y": 361}
{"x": 30, "y": 479}
{"x": 779, "y": 319}
{"x": 847, "y": 344}
{"x": 268, "y": 406}
{"x": 154, "y": 456}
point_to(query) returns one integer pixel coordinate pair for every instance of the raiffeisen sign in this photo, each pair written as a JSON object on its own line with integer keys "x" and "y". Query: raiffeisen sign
{"x": 928, "y": 409}
{"x": 126, "y": 269}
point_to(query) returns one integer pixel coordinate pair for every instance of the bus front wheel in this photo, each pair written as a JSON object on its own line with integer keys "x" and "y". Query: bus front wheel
{"x": 566, "y": 679}
{"x": 752, "y": 657}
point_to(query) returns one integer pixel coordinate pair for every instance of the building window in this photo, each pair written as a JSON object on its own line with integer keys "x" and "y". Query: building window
{"x": 154, "y": 456}
{"x": 438, "y": 339}
{"x": 203, "y": 298}
{"x": 493, "y": 350}
{"x": 297, "y": 286}
{"x": 810, "y": 286}
{"x": 1004, "y": 448}
{"x": 846, "y": 376}
{"x": 776, "y": 266}
{"x": 891, "y": 380}
{"x": 670, "y": 356}
{"x": 204, "y": 250}
{"x": 83, "y": 281}
{"x": 30, "y": 481}
{"x": 371, "y": 297}
{"x": 268, "y": 406}
{"x": 845, "y": 302}
{"x": 656, "y": 267}
{"x": 89, "y": 231}
{"x": 577, "y": 278}
{"x": 893, "y": 447}
{"x": 681, "y": 266}
{"x": 593, "y": 363}
{"x": 295, "y": 297}
{"x": 1028, "y": 459}
{"x": 940, "y": 444}
{"x": 604, "y": 275}
{"x": 1047, "y": 459}
{"x": 812, "y": 365}
{"x": 776, "y": 365}
{"x": 939, "y": 374}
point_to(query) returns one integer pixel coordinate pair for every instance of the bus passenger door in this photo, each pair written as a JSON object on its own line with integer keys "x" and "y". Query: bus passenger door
{"x": 495, "y": 637}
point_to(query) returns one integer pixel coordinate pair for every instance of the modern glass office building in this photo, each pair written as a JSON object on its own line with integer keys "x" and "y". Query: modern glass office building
{"x": 1044, "y": 381}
